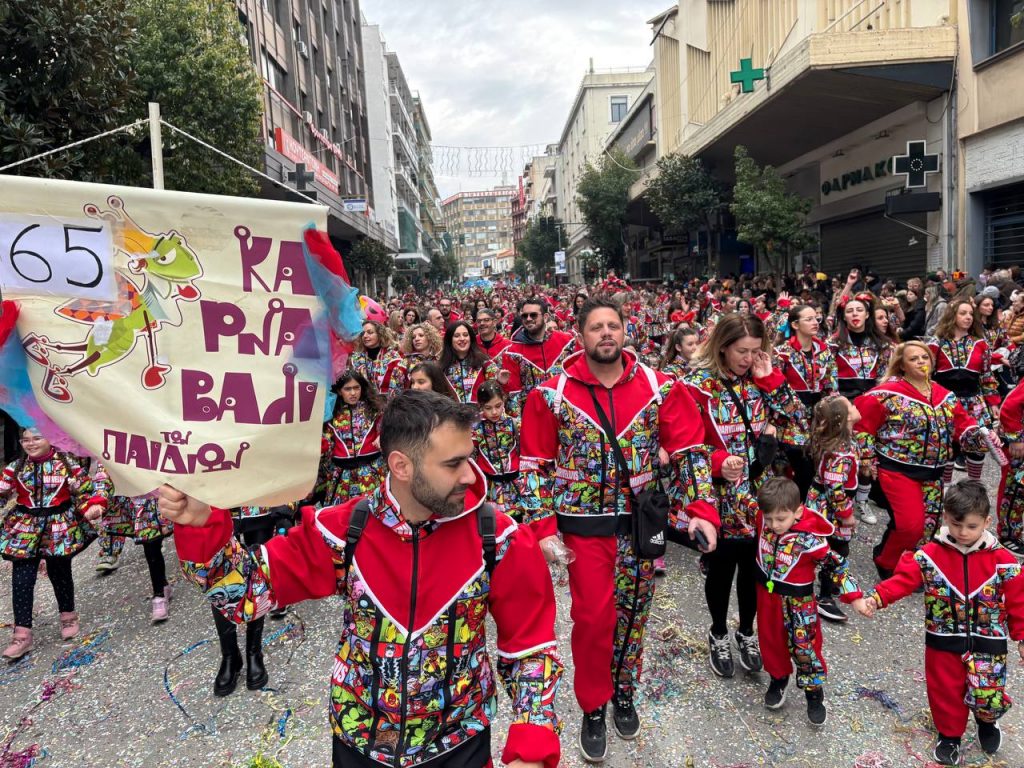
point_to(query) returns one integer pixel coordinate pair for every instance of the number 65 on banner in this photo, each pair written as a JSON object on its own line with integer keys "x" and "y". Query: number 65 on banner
{"x": 43, "y": 256}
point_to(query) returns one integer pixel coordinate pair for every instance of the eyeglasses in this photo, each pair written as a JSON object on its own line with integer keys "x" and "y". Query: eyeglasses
{"x": 529, "y": 315}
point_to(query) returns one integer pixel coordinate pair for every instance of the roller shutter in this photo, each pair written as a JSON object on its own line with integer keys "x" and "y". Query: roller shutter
{"x": 1004, "y": 226}
{"x": 870, "y": 240}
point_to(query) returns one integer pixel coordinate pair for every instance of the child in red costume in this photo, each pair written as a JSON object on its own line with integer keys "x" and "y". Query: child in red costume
{"x": 966, "y": 641}
{"x": 791, "y": 545}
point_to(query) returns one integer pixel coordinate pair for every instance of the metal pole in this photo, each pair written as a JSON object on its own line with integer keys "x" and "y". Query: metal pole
{"x": 156, "y": 145}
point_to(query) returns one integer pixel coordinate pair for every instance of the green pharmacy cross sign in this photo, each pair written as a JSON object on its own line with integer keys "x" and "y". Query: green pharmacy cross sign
{"x": 916, "y": 164}
{"x": 746, "y": 75}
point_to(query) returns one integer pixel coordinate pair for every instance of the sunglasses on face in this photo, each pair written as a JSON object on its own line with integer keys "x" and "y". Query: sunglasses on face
{"x": 529, "y": 315}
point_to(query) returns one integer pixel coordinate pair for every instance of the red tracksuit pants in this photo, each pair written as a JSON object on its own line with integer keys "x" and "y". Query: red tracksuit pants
{"x": 958, "y": 684}
{"x": 611, "y": 598}
{"x": 790, "y": 635}
{"x": 914, "y": 509}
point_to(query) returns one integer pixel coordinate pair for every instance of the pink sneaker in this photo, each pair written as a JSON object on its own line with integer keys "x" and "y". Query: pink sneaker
{"x": 21, "y": 643}
{"x": 168, "y": 593}
{"x": 69, "y": 625}
{"x": 659, "y": 565}
{"x": 159, "y": 609}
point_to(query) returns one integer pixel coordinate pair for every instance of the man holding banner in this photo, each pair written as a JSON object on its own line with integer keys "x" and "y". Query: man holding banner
{"x": 411, "y": 682}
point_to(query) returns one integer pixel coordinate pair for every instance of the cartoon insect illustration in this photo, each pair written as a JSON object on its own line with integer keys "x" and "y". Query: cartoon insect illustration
{"x": 160, "y": 273}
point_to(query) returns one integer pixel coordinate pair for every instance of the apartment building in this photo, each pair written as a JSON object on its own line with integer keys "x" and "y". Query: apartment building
{"x": 480, "y": 225}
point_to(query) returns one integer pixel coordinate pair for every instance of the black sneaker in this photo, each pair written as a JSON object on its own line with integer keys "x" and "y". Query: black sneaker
{"x": 750, "y": 652}
{"x": 594, "y": 737}
{"x": 989, "y": 737}
{"x": 775, "y": 696}
{"x": 721, "y": 655}
{"x": 959, "y": 465}
{"x": 947, "y": 751}
{"x": 625, "y": 718}
{"x": 1015, "y": 546}
{"x": 829, "y": 609}
{"x": 816, "y": 711}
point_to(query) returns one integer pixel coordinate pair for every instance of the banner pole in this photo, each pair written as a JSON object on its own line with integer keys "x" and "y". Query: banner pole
{"x": 156, "y": 145}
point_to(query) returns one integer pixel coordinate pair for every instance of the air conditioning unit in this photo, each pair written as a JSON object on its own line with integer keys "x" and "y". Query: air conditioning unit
{"x": 300, "y": 45}
{"x": 307, "y": 117}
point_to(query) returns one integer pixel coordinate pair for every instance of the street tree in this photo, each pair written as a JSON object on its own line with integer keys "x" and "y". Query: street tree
{"x": 521, "y": 268}
{"x": 192, "y": 57}
{"x": 65, "y": 76}
{"x": 768, "y": 217}
{"x": 602, "y": 196}
{"x": 373, "y": 262}
{"x": 540, "y": 241}
{"x": 685, "y": 197}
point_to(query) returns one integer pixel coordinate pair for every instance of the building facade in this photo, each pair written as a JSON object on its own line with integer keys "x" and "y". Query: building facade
{"x": 480, "y": 225}
{"x": 518, "y": 214}
{"x": 314, "y": 111}
{"x": 383, "y": 198}
{"x": 431, "y": 223}
{"x": 829, "y": 92}
{"x": 405, "y": 161}
{"x": 539, "y": 184}
{"x": 990, "y": 132}
{"x": 602, "y": 102}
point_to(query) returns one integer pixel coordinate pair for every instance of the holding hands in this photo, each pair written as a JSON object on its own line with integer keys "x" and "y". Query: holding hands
{"x": 732, "y": 469}
{"x": 866, "y": 606}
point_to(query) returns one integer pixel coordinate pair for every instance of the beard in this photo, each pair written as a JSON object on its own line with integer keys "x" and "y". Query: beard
{"x": 604, "y": 357}
{"x": 440, "y": 504}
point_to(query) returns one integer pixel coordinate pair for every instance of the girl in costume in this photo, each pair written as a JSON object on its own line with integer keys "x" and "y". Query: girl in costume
{"x": 496, "y": 437}
{"x": 350, "y": 440}
{"x": 963, "y": 365}
{"x": 836, "y": 461}
{"x": 377, "y": 358}
{"x": 55, "y": 503}
{"x": 428, "y": 375}
{"x": 137, "y": 517}
{"x": 465, "y": 364}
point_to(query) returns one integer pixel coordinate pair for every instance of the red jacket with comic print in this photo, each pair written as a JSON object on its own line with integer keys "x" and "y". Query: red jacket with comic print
{"x": 964, "y": 367}
{"x": 569, "y": 462}
{"x": 352, "y": 433}
{"x": 790, "y": 560}
{"x": 531, "y": 362}
{"x": 973, "y": 596}
{"x": 411, "y": 678}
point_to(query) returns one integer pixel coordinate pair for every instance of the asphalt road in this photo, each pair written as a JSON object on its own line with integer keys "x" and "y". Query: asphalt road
{"x": 132, "y": 694}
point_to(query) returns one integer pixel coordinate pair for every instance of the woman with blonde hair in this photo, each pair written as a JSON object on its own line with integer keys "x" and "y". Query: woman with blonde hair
{"x": 963, "y": 365}
{"x": 743, "y": 401}
{"x": 421, "y": 343}
{"x": 377, "y": 358}
{"x": 906, "y": 432}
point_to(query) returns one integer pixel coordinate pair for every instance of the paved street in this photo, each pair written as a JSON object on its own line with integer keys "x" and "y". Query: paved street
{"x": 105, "y": 703}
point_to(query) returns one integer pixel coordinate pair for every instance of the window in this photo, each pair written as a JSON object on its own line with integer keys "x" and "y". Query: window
{"x": 1007, "y": 24}
{"x": 1004, "y": 226}
{"x": 620, "y": 105}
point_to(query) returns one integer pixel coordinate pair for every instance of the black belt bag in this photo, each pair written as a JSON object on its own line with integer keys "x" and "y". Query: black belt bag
{"x": 45, "y": 511}
{"x": 650, "y": 508}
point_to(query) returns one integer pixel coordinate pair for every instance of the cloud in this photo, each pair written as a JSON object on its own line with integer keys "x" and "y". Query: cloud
{"x": 494, "y": 74}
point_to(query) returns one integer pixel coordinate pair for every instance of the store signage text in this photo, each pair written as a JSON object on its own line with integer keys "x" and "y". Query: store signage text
{"x": 294, "y": 151}
{"x": 852, "y": 178}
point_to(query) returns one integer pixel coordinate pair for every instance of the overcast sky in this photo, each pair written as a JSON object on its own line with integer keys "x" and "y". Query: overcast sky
{"x": 505, "y": 73}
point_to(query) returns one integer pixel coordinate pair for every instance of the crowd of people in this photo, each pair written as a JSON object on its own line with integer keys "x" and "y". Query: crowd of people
{"x": 478, "y": 435}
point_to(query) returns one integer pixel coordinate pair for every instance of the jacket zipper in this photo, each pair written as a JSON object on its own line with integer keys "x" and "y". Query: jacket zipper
{"x": 614, "y": 436}
{"x": 352, "y": 431}
{"x": 399, "y": 750}
{"x": 967, "y": 605}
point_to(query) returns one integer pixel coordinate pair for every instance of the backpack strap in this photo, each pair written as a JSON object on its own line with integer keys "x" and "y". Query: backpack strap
{"x": 356, "y": 524}
{"x": 487, "y": 525}
{"x": 559, "y": 390}
{"x": 652, "y": 379}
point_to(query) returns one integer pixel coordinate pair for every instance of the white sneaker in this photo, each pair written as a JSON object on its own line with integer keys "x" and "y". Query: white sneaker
{"x": 866, "y": 513}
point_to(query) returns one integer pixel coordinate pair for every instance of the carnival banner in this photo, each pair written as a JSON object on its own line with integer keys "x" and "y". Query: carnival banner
{"x": 173, "y": 336}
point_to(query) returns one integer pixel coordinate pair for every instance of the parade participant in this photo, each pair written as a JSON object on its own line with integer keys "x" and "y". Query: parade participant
{"x": 428, "y": 377}
{"x": 1011, "y": 484}
{"x": 350, "y": 440}
{"x": 680, "y": 349}
{"x": 810, "y": 369}
{"x": 739, "y": 395}
{"x": 436, "y": 320}
{"x": 377, "y": 358}
{"x": 836, "y": 461}
{"x": 991, "y": 317}
{"x": 448, "y": 315}
{"x": 421, "y": 343}
{"x": 791, "y": 546}
{"x": 496, "y": 437}
{"x": 906, "y": 433}
{"x": 492, "y": 342}
{"x": 861, "y": 355}
{"x": 139, "y": 518}
{"x": 582, "y": 492}
{"x": 886, "y": 325}
{"x": 56, "y": 502}
{"x": 411, "y": 317}
{"x": 429, "y": 552}
{"x": 963, "y": 365}
{"x": 535, "y": 354}
{"x": 966, "y": 638}
{"x": 465, "y": 364}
